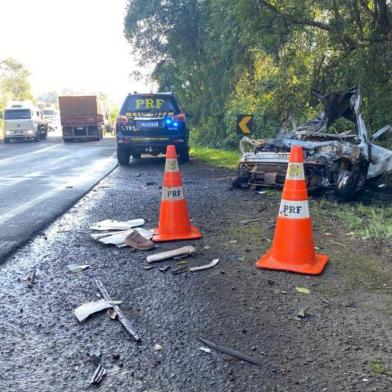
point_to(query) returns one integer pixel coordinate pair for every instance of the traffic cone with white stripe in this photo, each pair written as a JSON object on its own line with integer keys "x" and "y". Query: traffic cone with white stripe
{"x": 174, "y": 223}
{"x": 293, "y": 247}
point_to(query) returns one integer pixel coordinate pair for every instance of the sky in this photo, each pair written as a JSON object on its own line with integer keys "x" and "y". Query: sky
{"x": 70, "y": 44}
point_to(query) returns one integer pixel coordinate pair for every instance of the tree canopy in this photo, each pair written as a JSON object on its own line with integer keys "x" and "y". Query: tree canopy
{"x": 14, "y": 82}
{"x": 224, "y": 57}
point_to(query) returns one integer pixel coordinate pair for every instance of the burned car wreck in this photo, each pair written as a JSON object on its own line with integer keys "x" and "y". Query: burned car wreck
{"x": 342, "y": 162}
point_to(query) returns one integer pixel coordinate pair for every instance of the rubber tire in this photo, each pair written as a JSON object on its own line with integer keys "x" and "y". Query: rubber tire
{"x": 136, "y": 155}
{"x": 184, "y": 154}
{"x": 346, "y": 185}
{"x": 37, "y": 138}
{"x": 7, "y": 141}
{"x": 123, "y": 157}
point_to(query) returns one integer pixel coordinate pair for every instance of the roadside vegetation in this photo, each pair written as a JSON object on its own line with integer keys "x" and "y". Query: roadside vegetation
{"x": 225, "y": 57}
{"x": 216, "y": 157}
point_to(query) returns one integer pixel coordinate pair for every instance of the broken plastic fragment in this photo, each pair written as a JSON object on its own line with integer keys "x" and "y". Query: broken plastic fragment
{"x": 205, "y": 349}
{"x": 204, "y": 267}
{"x": 111, "y": 224}
{"x": 83, "y": 311}
{"x": 302, "y": 314}
{"x": 77, "y": 268}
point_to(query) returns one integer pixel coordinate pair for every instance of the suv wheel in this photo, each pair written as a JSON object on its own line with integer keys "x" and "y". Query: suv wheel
{"x": 136, "y": 155}
{"x": 184, "y": 154}
{"x": 123, "y": 157}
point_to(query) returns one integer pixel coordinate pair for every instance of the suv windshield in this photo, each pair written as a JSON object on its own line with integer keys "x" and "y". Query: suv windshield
{"x": 150, "y": 103}
{"x": 20, "y": 114}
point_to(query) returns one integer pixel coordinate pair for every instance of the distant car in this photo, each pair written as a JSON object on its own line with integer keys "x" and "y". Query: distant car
{"x": 51, "y": 117}
{"x": 148, "y": 123}
{"x": 23, "y": 121}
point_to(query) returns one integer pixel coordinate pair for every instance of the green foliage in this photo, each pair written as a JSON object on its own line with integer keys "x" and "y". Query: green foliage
{"x": 14, "y": 82}
{"x": 225, "y": 57}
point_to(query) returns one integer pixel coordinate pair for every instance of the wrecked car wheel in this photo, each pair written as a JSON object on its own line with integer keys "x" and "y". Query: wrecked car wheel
{"x": 346, "y": 185}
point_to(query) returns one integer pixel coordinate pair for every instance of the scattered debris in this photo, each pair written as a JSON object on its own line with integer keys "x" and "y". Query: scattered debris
{"x": 179, "y": 270}
{"x": 111, "y": 224}
{"x": 205, "y": 349}
{"x": 182, "y": 257}
{"x": 188, "y": 250}
{"x": 151, "y": 183}
{"x": 126, "y": 323}
{"x": 158, "y": 347}
{"x": 232, "y": 241}
{"x": 137, "y": 241}
{"x": 77, "y": 268}
{"x": 165, "y": 268}
{"x": 207, "y": 247}
{"x": 83, "y": 311}
{"x": 302, "y": 314}
{"x": 204, "y": 267}
{"x": 119, "y": 238}
{"x": 98, "y": 376}
{"x": 31, "y": 279}
{"x": 148, "y": 267}
{"x": 245, "y": 222}
{"x": 303, "y": 290}
{"x": 262, "y": 192}
{"x": 229, "y": 351}
{"x": 111, "y": 313}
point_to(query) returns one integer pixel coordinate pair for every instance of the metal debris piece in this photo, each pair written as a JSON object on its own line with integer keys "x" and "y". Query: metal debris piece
{"x": 165, "y": 268}
{"x": 229, "y": 351}
{"x": 171, "y": 253}
{"x": 205, "y": 349}
{"x": 303, "y": 290}
{"x": 83, "y": 311}
{"x": 99, "y": 374}
{"x": 148, "y": 267}
{"x": 137, "y": 241}
{"x": 207, "y": 247}
{"x": 77, "y": 268}
{"x": 126, "y": 323}
{"x": 158, "y": 347}
{"x": 111, "y": 224}
{"x": 245, "y": 222}
{"x": 204, "y": 267}
{"x": 31, "y": 279}
{"x": 302, "y": 314}
{"x": 179, "y": 270}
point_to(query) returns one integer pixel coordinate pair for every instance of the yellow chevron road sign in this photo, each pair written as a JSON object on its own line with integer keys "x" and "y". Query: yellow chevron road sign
{"x": 245, "y": 124}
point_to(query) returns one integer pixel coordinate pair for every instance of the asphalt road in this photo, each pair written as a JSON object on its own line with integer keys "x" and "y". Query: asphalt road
{"x": 39, "y": 181}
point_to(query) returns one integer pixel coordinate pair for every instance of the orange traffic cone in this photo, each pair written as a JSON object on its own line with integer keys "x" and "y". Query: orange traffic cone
{"x": 174, "y": 223}
{"x": 293, "y": 248}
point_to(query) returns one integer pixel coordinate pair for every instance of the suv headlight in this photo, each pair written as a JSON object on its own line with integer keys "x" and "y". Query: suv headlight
{"x": 30, "y": 132}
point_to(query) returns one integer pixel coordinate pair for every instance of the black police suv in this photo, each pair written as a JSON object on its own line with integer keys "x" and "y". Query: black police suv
{"x": 147, "y": 123}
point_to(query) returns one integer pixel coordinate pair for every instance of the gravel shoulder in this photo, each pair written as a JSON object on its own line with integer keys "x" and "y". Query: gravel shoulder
{"x": 344, "y": 344}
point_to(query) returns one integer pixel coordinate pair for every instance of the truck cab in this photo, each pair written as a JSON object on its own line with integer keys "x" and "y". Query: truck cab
{"x": 23, "y": 121}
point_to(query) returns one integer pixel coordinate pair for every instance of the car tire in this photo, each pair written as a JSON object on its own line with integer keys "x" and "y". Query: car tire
{"x": 123, "y": 157}
{"x": 184, "y": 154}
{"x": 136, "y": 155}
{"x": 346, "y": 185}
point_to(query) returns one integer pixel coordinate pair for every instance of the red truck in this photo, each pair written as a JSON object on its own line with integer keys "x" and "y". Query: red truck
{"x": 82, "y": 118}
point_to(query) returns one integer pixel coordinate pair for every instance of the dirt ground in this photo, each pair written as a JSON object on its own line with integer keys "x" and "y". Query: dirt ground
{"x": 343, "y": 345}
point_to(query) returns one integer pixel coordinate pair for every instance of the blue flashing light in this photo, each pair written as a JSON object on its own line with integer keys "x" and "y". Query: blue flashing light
{"x": 175, "y": 124}
{"x": 168, "y": 121}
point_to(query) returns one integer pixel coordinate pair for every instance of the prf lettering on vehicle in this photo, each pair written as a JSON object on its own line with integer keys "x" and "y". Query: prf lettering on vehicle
{"x": 173, "y": 193}
{"x": 149, "y": 103}
{"x": 294, "y": 209}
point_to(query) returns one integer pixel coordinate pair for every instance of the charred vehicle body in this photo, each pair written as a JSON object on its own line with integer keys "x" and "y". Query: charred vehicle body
{"x": 343, "y": 162}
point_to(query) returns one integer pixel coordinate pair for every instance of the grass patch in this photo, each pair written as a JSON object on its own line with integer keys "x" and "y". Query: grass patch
{"x": 215, "y": 157}
{"x": 369, "y": 221}
{"x": 378, "y": 368}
